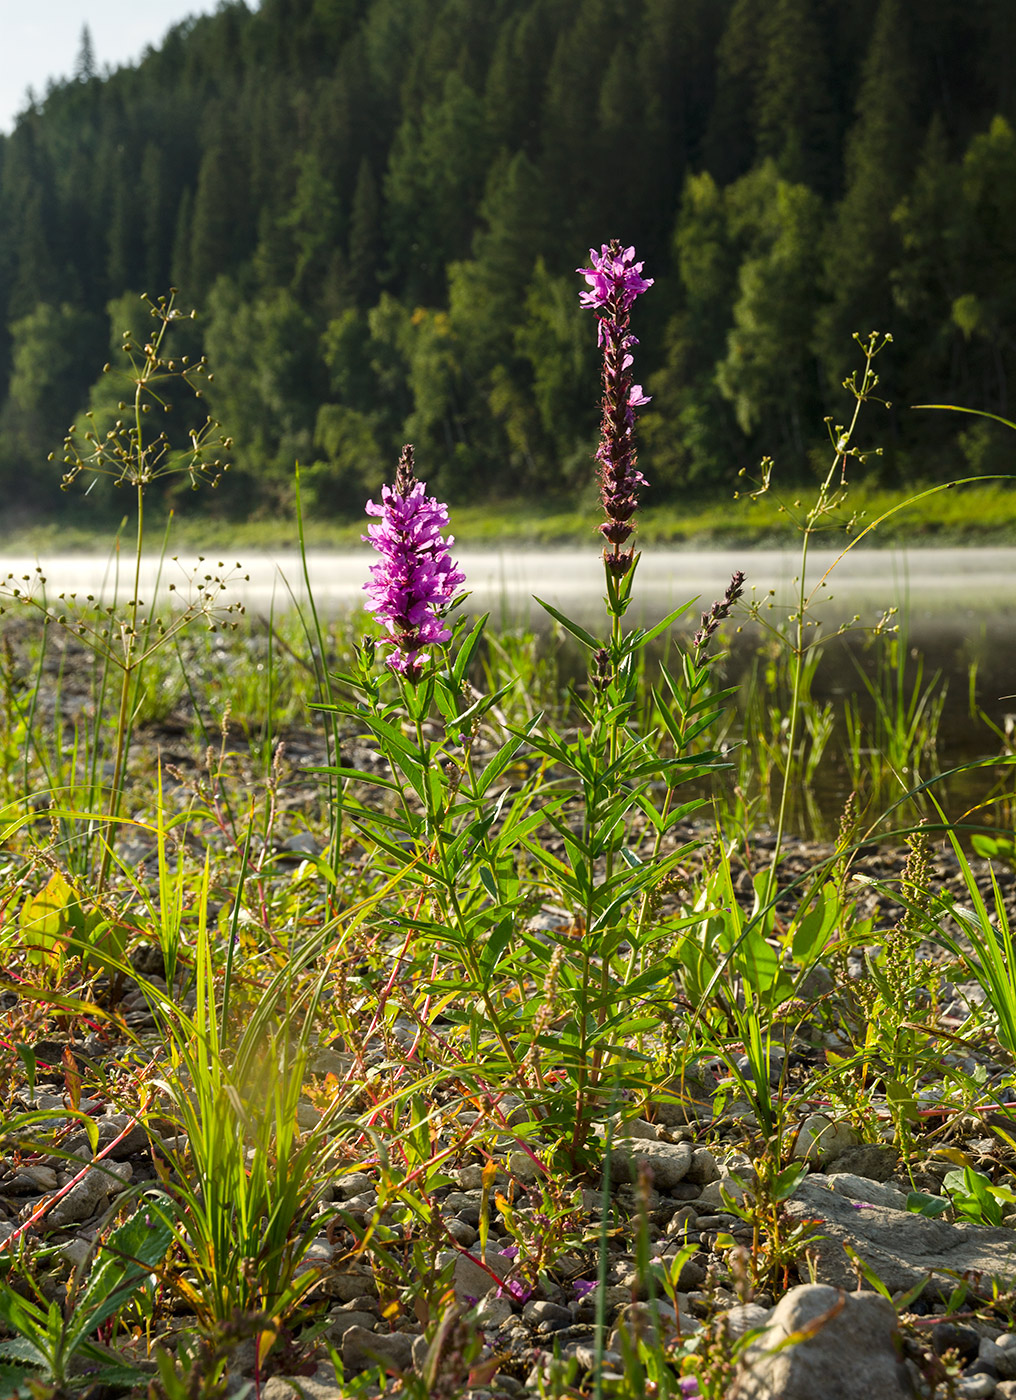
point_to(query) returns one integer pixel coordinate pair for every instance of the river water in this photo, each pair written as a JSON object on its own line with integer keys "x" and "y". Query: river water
{"x": 957, "y": 609}
{"x": 950, "y": 588}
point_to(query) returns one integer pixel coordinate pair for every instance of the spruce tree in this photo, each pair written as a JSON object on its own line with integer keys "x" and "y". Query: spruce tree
{"x": 863, "y": 242}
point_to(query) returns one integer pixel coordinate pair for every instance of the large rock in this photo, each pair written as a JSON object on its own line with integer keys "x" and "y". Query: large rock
{"x": 898, "y": 1245}
{"x": 392, "y": 1351}
{"x": 849, "y": 1352}
{"x": 668, "y": 1161}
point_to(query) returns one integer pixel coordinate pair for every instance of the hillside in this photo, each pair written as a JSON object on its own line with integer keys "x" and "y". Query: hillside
{"x": 377, "y": 206}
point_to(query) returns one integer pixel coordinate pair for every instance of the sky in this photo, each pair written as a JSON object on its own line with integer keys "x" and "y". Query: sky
{"x": 41, "y": 39}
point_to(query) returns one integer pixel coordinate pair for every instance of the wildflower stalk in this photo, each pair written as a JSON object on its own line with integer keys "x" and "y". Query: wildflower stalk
{"x": 614, "y": 281}
{"x": 131, "y": 456}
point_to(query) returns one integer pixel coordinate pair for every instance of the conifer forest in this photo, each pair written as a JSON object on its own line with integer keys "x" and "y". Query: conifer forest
{"x": 377, "y": 207}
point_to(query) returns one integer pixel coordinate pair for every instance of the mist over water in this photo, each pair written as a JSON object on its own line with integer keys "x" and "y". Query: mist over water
{"x": 939, "y": 592}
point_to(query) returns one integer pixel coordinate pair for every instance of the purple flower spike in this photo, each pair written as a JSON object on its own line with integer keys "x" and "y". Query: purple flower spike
{"x": 615, "y": 280}
{"x": 415, "y": 579}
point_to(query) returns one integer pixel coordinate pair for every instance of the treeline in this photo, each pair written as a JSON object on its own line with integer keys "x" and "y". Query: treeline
{"x": 377, "y": 207}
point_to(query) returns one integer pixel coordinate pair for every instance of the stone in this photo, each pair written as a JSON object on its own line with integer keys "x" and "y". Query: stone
{"x": 524, "y": 1166}
{"x": 75, "y": 1252}
{"x": 586, "y": 1357}
{"x": 636, "y": 1128}
{"x": 711, "y": 1197}
{"x": 743, "y": 1318}
{"x": 851, "y": 1355}
{"x": 470, "y": 1280}
{"x": 306, "y": 1388}
{"x": 347, "y": 1287}
{"x": 493, "y": 1311}
{"x": 900, "y": 1246}
{"x": 817, "y": 982}
{"x": 461, "y": 1231}
{"x": 1001, "y": 1357}
{"x": 362, "y": 1349}
{"x": 952, "y": 1336}
{"x": 134, "y": 1141}
{"x": 686, "y": 1098}
{"x": 859, "y": 1188}
{"x": 668, "y": 1162}
{"x": 821, "y": 1138}
{"x": 869, "y": 1159}
{"x": 703, "y": 1167}
{"x": 635, "y": 1321}
{"x": 540, "y": 1310}
{"x": 90, "y": 1194}
{"x": 340, "y": 1322}
{"x": 975, "y": 1387}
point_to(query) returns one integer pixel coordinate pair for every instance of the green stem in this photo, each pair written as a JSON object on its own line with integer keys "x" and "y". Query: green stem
{"x": 123, "y": 720}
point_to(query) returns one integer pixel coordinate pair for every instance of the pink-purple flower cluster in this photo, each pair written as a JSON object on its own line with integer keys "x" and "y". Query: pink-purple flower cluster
{"x": 615, "y": 280}
{"x": 415, "y": 579}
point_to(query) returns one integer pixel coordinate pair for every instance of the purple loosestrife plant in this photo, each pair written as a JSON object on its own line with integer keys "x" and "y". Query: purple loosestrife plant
{"x": 415, "y": 580}
{"x": 615, "y": 280}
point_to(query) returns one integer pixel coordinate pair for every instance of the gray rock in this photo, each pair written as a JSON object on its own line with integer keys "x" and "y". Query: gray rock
{"x": 821, "y": 1139}
{"x": 852, "y": 1354}
{"x": 685, "y": 1099}
{"x": 1001, "y": 1354}
{"x": 340, "y": 1322}
{"x": 461, "y": 1231}
{"x": 471, "y": 1281}
{"x": 136, "y": 1139}
{"x": 493, "y": 1312}
{"x": 90, "y": 1194}
{"x": 636, "y": 1128}
{"x": 711, "y": 1197}
{"x": 522, "y": 1165}
{"x": 977, "y": 1387}
{"x": 668, "y": 1162}
{"x": 743, "y": 1318}
{"x": 900, "y": 1246}
{"x": 586, "y": 1357}
{"x": 868, "y": 1159}
{"x": 703, "y": 1167}
{"x": 306, "y": 1388}
{"x": 540, "y": 1310}
{"x": 362, "y": 1349}
{"x": 858, "y": 1188}
{"x": 347, "y": 1287}
{"x": 817, "y": 982}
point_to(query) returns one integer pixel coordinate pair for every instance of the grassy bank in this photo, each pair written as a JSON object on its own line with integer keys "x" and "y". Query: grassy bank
{"x": 965, "y": 515}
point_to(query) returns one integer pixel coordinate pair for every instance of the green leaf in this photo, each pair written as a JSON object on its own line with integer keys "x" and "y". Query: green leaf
{"x": 868, "y": 1272}
{"x": 498, "y": 941}
{"x": 1001, "y": 848}
{"x": 812, "y": 933}
{"x": 788, "y": 1180}
{"x": 921, "y": 1203}
{"x": 642, "y": 639}
{"x": 586, "y": 638}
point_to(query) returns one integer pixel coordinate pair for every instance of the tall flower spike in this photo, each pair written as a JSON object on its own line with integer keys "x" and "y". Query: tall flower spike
{"x": 615, "y": 280}
{"x": 414, "y": 581}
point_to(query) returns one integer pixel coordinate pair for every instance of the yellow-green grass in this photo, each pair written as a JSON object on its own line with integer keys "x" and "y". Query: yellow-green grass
{"x": 973, "y": 514}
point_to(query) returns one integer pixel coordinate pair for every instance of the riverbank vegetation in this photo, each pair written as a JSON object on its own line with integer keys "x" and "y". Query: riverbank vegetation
{"x": 978, "y": 513}
{"x": 400, "y": 1007}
